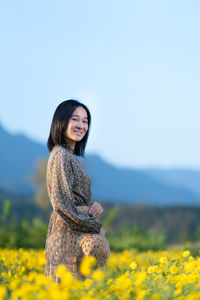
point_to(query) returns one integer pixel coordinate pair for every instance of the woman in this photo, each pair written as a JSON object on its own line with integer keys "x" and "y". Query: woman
{"x": 74, "y": 231}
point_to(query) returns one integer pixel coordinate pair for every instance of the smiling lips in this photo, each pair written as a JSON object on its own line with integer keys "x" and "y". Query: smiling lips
{"x": 77, "y": 132}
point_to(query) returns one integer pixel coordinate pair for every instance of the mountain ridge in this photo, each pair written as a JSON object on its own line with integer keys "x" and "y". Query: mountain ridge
{"x": 151, "y": 185}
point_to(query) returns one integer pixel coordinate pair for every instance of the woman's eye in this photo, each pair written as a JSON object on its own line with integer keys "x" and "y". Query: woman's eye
{"x": 76, "y": 120}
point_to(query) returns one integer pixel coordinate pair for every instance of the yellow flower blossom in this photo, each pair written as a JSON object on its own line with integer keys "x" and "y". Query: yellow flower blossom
{"x": 156, "y": 297}
{"x": 110, "y": 280}
{"x": 86, "y": 265}
{"x": 2, "y": 291}
{"x": 98, "y": 275}
{"x": 164, "y": 260}
{"x": 186, "y": 253}
{"x": 177, "y": 292}
{"x": 61, "y": 270}
{"x": 87, "y": 283}
{"x": 178, "y": 285}
{"x": 156, "y": 276}
{"x": 141, "y": 295}
{"x": 133, "y": 265}
{"x": 173, "y": 269}
{"x": 191, "y": 258}
{"x": 152, "y": 269}
{"x": 140, "y": 277}
{"x": 189, "y": 266}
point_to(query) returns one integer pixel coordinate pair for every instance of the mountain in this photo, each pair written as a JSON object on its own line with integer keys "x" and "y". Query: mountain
{"x": 187, "y": 178}
{"x": 17, "y": 198}
{"x": 19, "y": 155}
{"x": 133, "y": 186}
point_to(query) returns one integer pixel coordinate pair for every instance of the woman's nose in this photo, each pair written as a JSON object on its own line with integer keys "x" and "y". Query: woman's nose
{"x": 79, "y": 124}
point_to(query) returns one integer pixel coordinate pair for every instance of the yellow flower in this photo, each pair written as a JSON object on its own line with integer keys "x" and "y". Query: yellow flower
{"x": 152, "y": 269}
{"x": 140, "y": 277}
{"x": 186, "y": 253}
{"x": 41, "y": 280}
{"x": 141, "y": 295}
{"x": 163, "y": 260}
{"x": 86, "y": 265}
{"x": 173, "y": 269}
{"x": 128, "y": 275}
{"x": 109, "y": 281}
{"x": 56, "y": 293}
{"x": 2, "y": 291}
{"x": 191, "y": 258}
{"x": 124, "y": 282}
{"x": 156, "y": 297}
{"x": 178, "y": 285}
{"x": 14, "y": 284}
{"x": 87, "y": 298}
{"x": 189, "y": 266}
{"x": 177, "y": 292}
{"x": 87, "y": 283}
{"x": 98, "y": 274}
{"x": 67, "y": 280}
{"x": 61, "y": 270}
{"x": 91, "y": 293}
{"x": 133, "y": 265}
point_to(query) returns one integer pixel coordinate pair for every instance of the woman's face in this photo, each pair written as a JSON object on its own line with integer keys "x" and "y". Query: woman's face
{"x": 77, "y": 126}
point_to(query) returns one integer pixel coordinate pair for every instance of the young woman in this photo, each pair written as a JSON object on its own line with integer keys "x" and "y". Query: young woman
{"x": 74, "y": 231}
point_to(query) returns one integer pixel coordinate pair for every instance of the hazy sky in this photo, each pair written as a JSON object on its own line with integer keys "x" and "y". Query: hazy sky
{"x": 136, "y": 64}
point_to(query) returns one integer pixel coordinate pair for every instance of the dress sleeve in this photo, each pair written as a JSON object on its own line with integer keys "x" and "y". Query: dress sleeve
{"x": 64, "y": 202}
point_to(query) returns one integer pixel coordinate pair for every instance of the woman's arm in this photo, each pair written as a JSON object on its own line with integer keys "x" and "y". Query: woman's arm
{"x": 64, "y": 203}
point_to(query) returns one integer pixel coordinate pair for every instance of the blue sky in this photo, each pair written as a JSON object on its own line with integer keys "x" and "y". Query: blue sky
{"x": 136, "y": 64}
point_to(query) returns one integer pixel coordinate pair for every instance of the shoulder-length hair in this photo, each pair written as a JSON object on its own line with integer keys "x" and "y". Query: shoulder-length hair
{"x": 59, "y": 125}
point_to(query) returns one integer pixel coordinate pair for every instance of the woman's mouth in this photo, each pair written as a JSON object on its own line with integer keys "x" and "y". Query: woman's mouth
{"x": 77, "y": 132}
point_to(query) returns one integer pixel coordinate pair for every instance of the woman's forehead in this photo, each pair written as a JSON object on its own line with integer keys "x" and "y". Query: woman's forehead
{"x": 80, "y": 112}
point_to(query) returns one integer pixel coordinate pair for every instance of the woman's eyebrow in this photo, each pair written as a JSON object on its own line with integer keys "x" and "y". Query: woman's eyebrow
{"x": 78, "y": 116}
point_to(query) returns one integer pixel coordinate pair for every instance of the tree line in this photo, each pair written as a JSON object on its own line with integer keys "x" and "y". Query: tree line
{"x": 127, "y": 226}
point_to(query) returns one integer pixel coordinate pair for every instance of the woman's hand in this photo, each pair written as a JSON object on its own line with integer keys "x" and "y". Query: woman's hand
{"x": 96, "y": 209}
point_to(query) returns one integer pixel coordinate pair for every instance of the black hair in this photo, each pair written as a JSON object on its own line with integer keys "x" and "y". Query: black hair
{"x": 60, "y": 122}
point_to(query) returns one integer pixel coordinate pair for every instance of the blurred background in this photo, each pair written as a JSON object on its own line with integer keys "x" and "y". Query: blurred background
{"x": 136, "y": 65}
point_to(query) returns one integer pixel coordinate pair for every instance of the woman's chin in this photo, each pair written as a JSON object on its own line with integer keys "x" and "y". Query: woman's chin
{"x": 78, "y": 138}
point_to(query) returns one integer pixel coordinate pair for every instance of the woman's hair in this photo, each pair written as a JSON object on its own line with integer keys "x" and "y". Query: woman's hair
{"x": 59, "y": 125}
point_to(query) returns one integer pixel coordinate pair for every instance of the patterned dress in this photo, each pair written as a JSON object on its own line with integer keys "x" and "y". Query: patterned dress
{"x": 72, "y": 232}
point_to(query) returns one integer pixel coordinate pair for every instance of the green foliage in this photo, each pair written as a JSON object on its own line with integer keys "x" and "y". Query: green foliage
{"x": 193, "y": 247}
{"x": 29, "y": 233}
{"x": 128, "y": 237}
{"x": 126, "y": 227}
{"x": 6, "y": 208}
{"x": 111, "y": 216}
{"x": 24, "y": 233}
{"x": 39, "y": 179}
{"x": 136, "y": 237}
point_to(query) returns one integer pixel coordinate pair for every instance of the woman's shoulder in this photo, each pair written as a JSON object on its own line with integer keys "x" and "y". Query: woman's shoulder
{"x": 62, "y": 152}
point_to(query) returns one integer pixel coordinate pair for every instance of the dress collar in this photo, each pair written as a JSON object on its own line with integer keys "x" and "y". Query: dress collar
{"x": 67, "y": 147}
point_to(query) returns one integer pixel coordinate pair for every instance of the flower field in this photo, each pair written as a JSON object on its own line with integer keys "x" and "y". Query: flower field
{"x": 128, "y": 275}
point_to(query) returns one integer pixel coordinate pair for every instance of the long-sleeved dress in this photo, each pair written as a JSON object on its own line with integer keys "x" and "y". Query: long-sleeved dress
{"x": 72, "y": 232}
